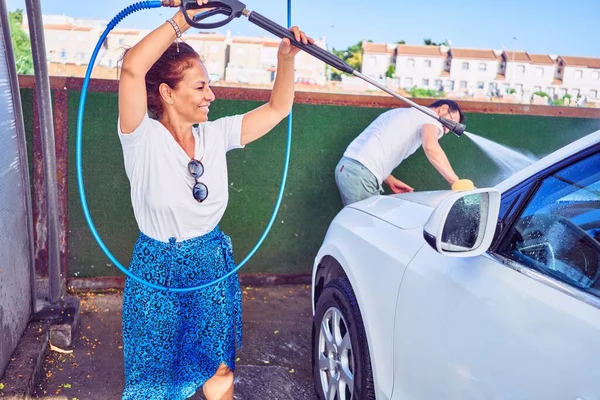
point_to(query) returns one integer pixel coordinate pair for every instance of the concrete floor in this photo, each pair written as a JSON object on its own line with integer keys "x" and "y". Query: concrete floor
{"x": 274, "y": 363}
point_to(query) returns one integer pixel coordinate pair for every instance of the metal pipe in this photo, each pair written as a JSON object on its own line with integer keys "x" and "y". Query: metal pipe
{"x": 455, "y": 127}
{"x": 44, "y": 104}
{"x": 411, "y": 103}
{"x": 22, "y": 143}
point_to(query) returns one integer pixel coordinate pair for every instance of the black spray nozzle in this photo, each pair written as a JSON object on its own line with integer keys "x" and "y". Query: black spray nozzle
{"x": 456, "y": 127}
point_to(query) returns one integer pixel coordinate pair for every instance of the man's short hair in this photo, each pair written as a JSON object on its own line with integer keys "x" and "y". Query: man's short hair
{"x": 452, "y": 106}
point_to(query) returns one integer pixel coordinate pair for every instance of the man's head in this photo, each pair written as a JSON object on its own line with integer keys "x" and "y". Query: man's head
{"x": 448, "y": 109}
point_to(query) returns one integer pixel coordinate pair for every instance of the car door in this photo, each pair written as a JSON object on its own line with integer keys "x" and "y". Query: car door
{"x": 522, "y": 321}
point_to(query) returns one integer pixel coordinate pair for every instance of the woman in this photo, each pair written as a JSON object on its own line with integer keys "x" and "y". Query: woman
{"x": 175, "y": 343}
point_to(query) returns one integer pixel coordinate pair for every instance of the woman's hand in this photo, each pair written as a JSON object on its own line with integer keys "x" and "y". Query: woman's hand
{"x": 180, "y": 19}
{"x": 286, "y": 49}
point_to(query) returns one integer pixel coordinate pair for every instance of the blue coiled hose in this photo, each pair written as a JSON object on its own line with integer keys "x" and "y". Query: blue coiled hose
{"x": 142, "y": 5}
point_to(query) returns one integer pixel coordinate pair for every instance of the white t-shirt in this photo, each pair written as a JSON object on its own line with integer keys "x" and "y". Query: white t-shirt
{"x": 389, "y": 140}
{"x": 161, "y": 185}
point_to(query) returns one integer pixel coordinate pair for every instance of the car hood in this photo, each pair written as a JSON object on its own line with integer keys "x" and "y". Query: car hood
{"x": 406, "y": 211}
{"x": 412, "y": 210}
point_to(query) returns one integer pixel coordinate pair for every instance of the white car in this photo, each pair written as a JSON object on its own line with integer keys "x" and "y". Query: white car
{"x": 485, "y": 294}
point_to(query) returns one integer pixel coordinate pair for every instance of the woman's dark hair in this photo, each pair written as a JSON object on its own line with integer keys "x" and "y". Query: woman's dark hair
{"x": 169, "y": 69}
{"x": 452, "y": 106}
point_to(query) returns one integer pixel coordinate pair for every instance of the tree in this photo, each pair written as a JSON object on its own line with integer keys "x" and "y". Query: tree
{"x": 400, "y": 42}
{"x": 429, "y": 42}
{"x": 352, "y": 56}
{"x": 391, "y": 71}
{"x": 21, "y": 44}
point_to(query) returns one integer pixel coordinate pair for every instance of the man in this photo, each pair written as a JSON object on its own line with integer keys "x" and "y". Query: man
{"x": 386, "y": 142}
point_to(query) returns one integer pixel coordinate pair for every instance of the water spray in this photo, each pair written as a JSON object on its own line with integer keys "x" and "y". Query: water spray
{"x": 232, "y": 9}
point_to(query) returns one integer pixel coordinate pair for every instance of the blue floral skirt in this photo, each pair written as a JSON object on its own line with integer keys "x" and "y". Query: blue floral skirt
{"x": 174, "y": 342}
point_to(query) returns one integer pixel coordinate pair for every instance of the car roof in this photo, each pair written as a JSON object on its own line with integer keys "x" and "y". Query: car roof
{"x": 549, "y": 160}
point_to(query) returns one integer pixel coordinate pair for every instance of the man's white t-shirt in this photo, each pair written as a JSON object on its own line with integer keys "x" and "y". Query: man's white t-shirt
{"x": 389, "y": 140}
{"x": 161, "y": 185}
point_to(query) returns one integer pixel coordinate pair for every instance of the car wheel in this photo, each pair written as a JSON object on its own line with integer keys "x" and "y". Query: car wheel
{"x": 341, "y": 363}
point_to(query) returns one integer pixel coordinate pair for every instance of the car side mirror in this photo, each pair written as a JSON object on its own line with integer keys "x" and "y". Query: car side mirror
{"x": 464, "y": 223}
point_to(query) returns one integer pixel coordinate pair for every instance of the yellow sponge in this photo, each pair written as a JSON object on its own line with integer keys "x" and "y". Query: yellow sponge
{"x": 463, "y": 184}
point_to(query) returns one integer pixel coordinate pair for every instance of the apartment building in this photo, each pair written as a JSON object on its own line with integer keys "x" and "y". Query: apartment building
{"x": 460, "y": 72}
{"x": 471, "y": 71}
{"x": 117, "y": 41}
{"x": 420, "y": 66}
{"x": 253, "y": 60}
{"x": 310, "y": 70}
{"x": 377, "y": 59}
{"x": 528, "y": 73}
{"x": 68, "y": 39}
{"x": 212, "y": 47}
{"x": 70, "y": 43}
{"x": 579, "y": 76}
{"x": 482, "y": 73}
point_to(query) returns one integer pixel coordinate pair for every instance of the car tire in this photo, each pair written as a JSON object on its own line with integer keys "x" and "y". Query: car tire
{"x": 341, "y": 360}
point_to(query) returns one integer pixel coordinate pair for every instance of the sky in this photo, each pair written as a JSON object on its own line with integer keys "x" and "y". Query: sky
{"x": 537, "y": 26}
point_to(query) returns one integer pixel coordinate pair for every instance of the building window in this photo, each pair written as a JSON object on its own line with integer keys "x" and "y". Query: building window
{"x": 482, "y": 67}
{"x": 521, "y": 69}
{"x": 463, "y": 84}
{"x": 427, "y": 63}
{"x": 121, "y": 41}
{"x": 110, "y": 63}
{"x": 438, "y": 83}
{"x": 464, "y": 66}
{"x": 519, "y": 88}
{"x": 596, "y": 75}
{"x": 450, "y": 85}
{"x": 575, "y": 92}
{"x": 410, "y": 62}
{"x": 80, "y": 56}
{"x": 593, "y": 94}
{"x": 408, "y": 82}
{"x": 63, "y": 54}
{"x": 578, "y": 74}
{"x": 480, "y": 85}
{"x": 539, "y": 71}
{"x": 426, "y": 82}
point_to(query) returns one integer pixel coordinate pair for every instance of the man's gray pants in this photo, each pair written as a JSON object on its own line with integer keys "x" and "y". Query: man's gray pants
{"x": 355, "y": 182}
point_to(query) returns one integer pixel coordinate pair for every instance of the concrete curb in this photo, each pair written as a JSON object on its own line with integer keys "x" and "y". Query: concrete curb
{"x": 54, "y": 324}
{"x": 26, "y": 362}
{"x": 118, "y": 282}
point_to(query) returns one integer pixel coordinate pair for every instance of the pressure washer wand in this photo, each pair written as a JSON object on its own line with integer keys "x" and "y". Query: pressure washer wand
{"x": 234, "y": 9}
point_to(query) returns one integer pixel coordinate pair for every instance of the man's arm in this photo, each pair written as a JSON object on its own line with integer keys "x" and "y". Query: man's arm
{"x": 435, "y": 154}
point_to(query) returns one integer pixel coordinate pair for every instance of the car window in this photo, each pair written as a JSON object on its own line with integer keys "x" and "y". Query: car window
{"x": 558, "y": 231}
